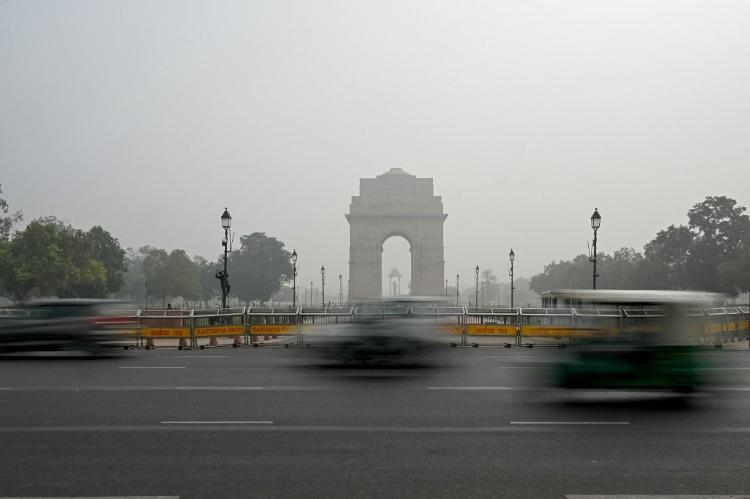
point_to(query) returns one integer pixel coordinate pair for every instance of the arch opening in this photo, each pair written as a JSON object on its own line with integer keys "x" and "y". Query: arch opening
{"x": 396, "y": 266}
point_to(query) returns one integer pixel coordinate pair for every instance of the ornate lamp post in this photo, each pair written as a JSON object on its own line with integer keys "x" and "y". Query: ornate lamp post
{"x": 222, "y": 275}
{"x": 294, "y": 279}
{"x": 512, "y": 257}
{"x": 476, "y": 292}
{"x": 341, "y": 290}
{"x": 596, "y": 222}
{"x": 323, "y": 282}
{"x": 458, "y": 277}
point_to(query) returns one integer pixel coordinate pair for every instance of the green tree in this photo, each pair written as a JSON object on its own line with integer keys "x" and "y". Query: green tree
{"x": 735, "y": 272}
{"x": 108, "y": 251}
{"x": 7, "y": 221}
{"x": 259, "y": 267}
{"x": 51, "y": 258}
{"x": 621, "y": 270}
{"x": 489, "y": 289}
{"x": 718, "y": 225}
{"x": 666, "y": 258}
{"x": 182, "y": 276}
{"x": 155, "y": 273}
{"x": 170, "y": 275}
{"x": 575, "y": 273}
{"x": 134, "y": 279}
{"x": 209, "y": 285}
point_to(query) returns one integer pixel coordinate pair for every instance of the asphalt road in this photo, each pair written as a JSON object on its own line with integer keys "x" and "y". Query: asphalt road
{"x": 275, "y": 422}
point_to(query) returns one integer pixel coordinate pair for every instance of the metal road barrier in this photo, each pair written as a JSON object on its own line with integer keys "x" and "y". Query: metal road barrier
{"x": 267, "y": 325}
{"x": 546, "y": 326}
{"x": 311, "y": 319}
{"x": 450, "y": 322}
{"x": 165, "y": 324}
{"x": 211, "y": 325}
{"x": 493, "y": 326}
{"x": 529, "y": 327}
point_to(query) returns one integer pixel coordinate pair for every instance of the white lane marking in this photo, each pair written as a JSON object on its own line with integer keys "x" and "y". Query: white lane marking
{"x": 152, "y": 367}
{"x": 94, "y": 497}
{"x": 475, "y": 388}
{"x": 200, "y": 356}
{"x": 517, "y": 367}
{"x": 569, "y": 422}
{"x": 3, "y": 388}
{"x": 727, "y": 368}
{"x": 732, "y": 388}
{"x": 158, "y": 388}
{"x": 510, "y": 356}
{"x": 660, "y": 496}
{"x": 217, "y": 388}
{"x": 217, "y": 422}
{"x": 233, "y": 427}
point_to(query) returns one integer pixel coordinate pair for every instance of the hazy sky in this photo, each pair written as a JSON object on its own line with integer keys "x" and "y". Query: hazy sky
{"x": 149, "y": 117}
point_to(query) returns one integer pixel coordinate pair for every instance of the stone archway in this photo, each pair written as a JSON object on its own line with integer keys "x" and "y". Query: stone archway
{"x": 396, "y": 204}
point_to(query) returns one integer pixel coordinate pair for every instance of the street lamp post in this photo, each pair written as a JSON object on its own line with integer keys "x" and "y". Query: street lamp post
{"x": 476, "y": 291}
{"x": 341, "y": 290}
{"x": 596, "y": 222}
{"x": 323, "y": 284}
{"x": 446, "y": 292}
{"x": 512, "y": 257}
{"x": 311, "y": 293}
{"x": 222, "y": 275}
{"x": 294, "y": 279}
{"x": 458, "y": 277}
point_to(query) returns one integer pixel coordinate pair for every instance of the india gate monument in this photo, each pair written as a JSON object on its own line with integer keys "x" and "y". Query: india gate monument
{"x": 396, "y": 203}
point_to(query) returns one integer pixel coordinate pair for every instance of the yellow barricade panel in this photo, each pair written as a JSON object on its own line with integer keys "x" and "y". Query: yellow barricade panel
{"x": 564, "y": 332}
{"x": 451, "y": 329}
{"x": 714, "y": 328}
{"x": 491, "y": 329}
{"x": 165, "y": 332}
{"x": 227, "y": 330}
{"x": 275, "y": 329}
{"x": 643, "y": 328}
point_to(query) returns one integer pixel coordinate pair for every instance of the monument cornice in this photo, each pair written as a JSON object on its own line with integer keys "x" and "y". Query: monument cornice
{"x": 350, "y": 216}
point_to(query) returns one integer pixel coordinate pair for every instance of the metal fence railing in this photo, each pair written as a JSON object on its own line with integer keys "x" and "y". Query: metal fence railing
{"x": 455, "y": 325}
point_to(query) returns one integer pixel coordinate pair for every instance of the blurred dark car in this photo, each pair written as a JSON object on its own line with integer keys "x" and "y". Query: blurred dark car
{"x": 385, "y": 333}
{"x": 88, "y": 326}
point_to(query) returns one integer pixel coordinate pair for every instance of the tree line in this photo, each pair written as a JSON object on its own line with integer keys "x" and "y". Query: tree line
{"x": 710, "y": 253}
{"x": 51, "y": 258}
{"x": 256, "y": 272}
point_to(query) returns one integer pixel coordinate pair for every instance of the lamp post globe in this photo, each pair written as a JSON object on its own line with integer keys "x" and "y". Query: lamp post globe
{"x": 226, "y": 219}
{"x": 596, "y": 219}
